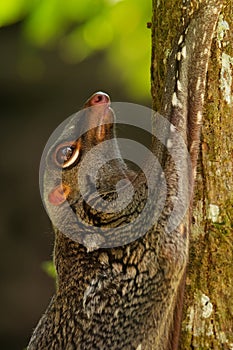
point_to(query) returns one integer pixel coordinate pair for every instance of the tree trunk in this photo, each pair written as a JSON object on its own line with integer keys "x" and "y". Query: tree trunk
{"x": 208, "y": 305}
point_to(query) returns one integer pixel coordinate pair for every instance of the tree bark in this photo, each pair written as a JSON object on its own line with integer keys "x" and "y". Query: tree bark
{"x": 208, "y": 305}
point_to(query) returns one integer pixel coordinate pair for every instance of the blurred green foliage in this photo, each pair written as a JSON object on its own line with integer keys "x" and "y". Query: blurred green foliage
{"x": 49, "y": 268}
{"x": 79, "y": 28}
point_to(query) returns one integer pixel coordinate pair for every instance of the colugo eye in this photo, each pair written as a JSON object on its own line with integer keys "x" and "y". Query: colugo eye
{"x": 66, "y": 154}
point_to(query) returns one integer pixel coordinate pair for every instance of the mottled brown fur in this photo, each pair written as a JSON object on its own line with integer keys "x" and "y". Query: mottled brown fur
{"x": 130, "y": 297}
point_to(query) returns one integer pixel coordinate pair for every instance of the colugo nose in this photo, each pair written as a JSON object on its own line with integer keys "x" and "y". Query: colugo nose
{"x": 97, "y": 99}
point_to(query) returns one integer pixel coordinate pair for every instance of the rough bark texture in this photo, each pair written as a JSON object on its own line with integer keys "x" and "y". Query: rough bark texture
{"x": 130, "y": 296}
{"x": 208, "y": 306}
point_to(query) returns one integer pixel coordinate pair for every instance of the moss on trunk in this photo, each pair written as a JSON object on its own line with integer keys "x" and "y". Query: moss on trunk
{"x": 208, "y": 309}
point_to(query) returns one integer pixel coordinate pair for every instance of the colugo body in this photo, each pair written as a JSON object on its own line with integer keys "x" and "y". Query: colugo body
{"x": 125, "y": 296}
{"x": 107, "y": 298}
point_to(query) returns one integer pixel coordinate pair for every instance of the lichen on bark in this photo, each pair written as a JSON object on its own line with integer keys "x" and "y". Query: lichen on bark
{"x": 208, "y": 306}
{"x": 211, "y": 253}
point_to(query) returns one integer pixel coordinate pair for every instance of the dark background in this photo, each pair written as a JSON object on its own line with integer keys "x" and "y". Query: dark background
{"x": 35, "y": 96}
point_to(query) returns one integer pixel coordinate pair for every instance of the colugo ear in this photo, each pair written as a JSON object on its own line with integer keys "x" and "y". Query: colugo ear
{"x": 59, "y": 194}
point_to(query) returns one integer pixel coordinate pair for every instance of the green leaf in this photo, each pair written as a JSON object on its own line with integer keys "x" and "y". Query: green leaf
{"x": 49, "y": 268}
